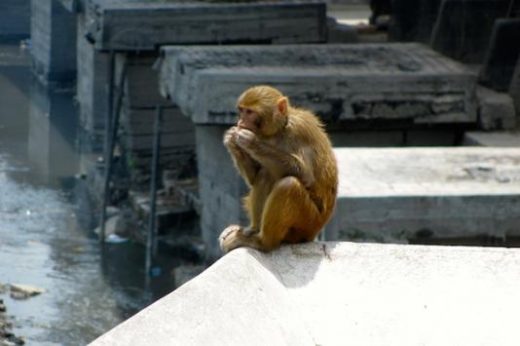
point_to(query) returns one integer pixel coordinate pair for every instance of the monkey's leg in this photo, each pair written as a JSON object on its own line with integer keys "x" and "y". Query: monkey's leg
{"x": 290, "y": 216}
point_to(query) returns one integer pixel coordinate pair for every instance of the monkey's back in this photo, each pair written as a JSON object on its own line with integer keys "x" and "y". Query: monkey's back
{"x": 309, "y": 133}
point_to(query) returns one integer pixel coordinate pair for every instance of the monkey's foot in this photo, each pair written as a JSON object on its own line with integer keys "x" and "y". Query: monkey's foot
{"x": 228, "y": 238}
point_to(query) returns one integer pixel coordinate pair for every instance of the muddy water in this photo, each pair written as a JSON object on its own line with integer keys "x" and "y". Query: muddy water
{"x": 42, "y": 244}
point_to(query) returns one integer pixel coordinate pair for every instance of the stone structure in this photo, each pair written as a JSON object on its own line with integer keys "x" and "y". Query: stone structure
{"x": 502, "y": 54}
{"x": 145, "y": 25}
{"x": 404, "y": 194}
{"x": 15, "y": 16}
{"x": 463, "y": 28}
{"x": 496, "y": 110}
{"x": 340, "y": 82}
{"x": 514, "y": 88}
{"x": 413, "y": 20}
{"x": 337, "y": 294}
{"x": 53, "y": 37}
{"x": 343, "y": 83}
{"x": 141, "y": 98}
{"x": 135, "y": 29}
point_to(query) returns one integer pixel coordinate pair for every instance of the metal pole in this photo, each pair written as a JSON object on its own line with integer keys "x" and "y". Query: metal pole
{"x": 151, "y": 241}
{"x": 113, "y": 126}
{"x": 107, "y": 155}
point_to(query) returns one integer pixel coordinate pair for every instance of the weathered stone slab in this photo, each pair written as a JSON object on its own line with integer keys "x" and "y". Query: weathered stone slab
{"x": 338, "y": 294}
{"x": 401, "y": 194}
{"x": 143, "y": 25}
{"x": 340, "y": 82}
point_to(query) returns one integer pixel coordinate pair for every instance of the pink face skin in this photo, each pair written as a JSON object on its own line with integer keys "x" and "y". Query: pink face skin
{"x": 247, "y": 119}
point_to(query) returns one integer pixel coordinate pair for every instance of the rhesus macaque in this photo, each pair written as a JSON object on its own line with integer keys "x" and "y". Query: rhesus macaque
{"x": 286, "y": 159}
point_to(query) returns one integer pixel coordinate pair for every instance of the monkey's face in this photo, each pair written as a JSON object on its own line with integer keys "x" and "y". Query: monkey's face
{"x": 249, "y": 119}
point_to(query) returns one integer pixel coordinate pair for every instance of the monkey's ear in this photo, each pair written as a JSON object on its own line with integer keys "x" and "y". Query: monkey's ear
{"x": 282, "y": 105}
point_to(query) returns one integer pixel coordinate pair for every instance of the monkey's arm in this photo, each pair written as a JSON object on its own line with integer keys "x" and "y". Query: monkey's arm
{"x": 246, "y": 165}
{"x": 277, "y": 160}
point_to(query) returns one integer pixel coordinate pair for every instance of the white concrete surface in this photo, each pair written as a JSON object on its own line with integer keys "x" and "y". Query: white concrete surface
{"x": 339, "y": 294}
{"x": 394, "y": 194}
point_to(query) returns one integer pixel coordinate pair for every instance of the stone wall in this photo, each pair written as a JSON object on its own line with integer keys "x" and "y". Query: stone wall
{"x": 92, "y": 86}
{"x": 15, "y": 16}
{"x": 53, "y": 36}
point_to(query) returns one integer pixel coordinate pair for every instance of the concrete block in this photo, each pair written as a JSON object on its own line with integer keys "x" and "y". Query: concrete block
{"x": 502, "y": 54}
{"x": 144, "y": 25}
{"x": 492, "y": 139}
{"x": 53, "y": 38}
{"x": 496, "y": 110}
{"x": 463, "y": 28}
{"x": 339, "y": 82}
{"x": 400, "y": 194}
{"x": 92, "y": 83}
{"x": 337, "y": 294}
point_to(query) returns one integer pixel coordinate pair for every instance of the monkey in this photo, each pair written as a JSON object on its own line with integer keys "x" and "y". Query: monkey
{"x": 285, "y": 157}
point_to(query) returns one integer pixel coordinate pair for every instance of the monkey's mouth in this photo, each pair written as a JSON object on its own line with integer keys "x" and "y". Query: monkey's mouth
{"x": 241, "y": 127}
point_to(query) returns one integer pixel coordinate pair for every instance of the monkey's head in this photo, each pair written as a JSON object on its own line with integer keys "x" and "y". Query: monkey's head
{"x": 263, "y": 110}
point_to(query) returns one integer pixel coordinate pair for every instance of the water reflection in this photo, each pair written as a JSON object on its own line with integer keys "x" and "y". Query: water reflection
{"x": 52, "y": 132}
{"x": 88, "y": 291}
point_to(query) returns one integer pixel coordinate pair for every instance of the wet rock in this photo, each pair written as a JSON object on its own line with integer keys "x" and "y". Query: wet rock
{"x": 113, "y": 225}
{"x": 20, "y": 292}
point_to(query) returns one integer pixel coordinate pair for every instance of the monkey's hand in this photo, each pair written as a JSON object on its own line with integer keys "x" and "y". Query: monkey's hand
{"x": 230, "y": 137}
{"x": 245, "y": 139}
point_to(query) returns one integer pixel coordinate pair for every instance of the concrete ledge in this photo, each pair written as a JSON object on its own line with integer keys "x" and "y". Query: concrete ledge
{"x": 340, "y": 82}
{"x": 337, "y": 294}
{"x": 144, "y": 25}
{"x": 492, "y": 139}
{"x": 399, "y": 194}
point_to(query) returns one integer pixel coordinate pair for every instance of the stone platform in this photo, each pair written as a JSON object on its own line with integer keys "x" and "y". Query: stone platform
{"x": 146, "y": 24}
{"x": 340, "y": 82}
{"x": 406, "y": 193}
{"x": 339, "y": 294}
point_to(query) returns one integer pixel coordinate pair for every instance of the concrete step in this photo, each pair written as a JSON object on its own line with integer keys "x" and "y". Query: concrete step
{"x": 399, "y": 195}
{"x": 144, "y": 25}
{"x": 339, "y": 294}
{"x": 492, "y": 139}
{"x": 341, "y": 82}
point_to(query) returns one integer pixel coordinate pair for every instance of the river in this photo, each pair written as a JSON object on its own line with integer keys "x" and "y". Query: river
{"x": 42, "y": 243}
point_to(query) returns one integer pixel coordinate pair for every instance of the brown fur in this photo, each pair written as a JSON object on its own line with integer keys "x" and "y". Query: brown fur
{"x": 286, "y": 158}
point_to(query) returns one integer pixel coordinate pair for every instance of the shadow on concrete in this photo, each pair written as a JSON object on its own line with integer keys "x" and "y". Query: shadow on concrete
{"x": 295, "y": 265}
